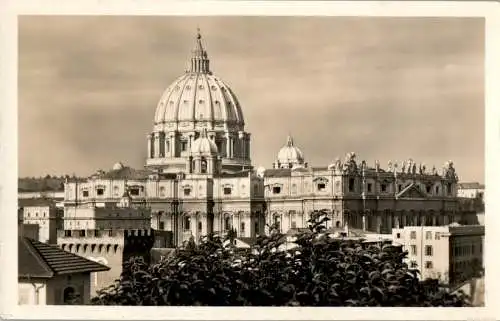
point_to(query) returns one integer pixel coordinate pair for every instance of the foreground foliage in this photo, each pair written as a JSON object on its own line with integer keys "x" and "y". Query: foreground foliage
{"x": 319, "y": 271}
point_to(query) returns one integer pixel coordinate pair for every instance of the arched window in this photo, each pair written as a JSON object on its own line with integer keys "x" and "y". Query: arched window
{"x": 227, "y": 223}
{"x": 187, "y": 223}
{"x": 203, "y": 165}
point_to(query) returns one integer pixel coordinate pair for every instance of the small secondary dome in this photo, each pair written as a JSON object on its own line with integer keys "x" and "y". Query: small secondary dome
{"x": 204, "y": 145}
{"x": 289, "y": 156}
{"x": 118, "y": 166}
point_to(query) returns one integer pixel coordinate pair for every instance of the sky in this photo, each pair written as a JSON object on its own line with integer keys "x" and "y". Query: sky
{"x": 384, "y": 88}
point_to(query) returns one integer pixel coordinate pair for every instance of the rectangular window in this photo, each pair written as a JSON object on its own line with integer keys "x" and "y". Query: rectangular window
{"x": 398, "y": 235}
{"x": 413, "y": 264}
{"x": 100, "y": 191}
{"x": 227, "y": 190}
{"x": 351, "y": 184}
{"x": 369, "y": 187}
{"x": 162, "y": 226}
{"x": 85, "y": 193}
{"x": 276, "y": 189}
{"x": 321, "y": 187}
{"x": 134, "y": 191}
{"x": 428, "y": 264}
{"x": 256, "y": 227}
{"x": 82, "y": 233}
{"x": 428, "y": 189}
{"x": 413, "y": 235}
{"x": 184, "y": 146}
{"x": 242, "y": 227}
{"x": 383, "y": 188}
{"x": 110, "y": 233}
{"x": 413, "y": 250}
{"x": 294, "y": 224}
{"x": 67, "y": 233}
{"x": 187, "y": 223}
{"x": 187, "y": 191}
{"x": 428, "y": 250}
{"x": 437, "y": 236}
{"x": 428, "y": 235}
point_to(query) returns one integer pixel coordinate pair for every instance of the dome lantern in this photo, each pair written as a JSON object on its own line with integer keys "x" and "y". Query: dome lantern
{"x": 199, "y": 62}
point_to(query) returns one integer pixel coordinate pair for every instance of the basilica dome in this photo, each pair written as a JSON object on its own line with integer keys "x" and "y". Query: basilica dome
{"x": 289, "y": 156}
{"x": 198, "y": 103}
{"x": 199, "y": 96}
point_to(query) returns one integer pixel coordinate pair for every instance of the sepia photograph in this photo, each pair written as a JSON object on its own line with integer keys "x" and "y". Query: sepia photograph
{"x": 239, "y": 160}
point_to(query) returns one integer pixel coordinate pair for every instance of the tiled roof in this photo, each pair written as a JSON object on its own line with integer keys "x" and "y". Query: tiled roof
{"x": 42, "y": 260}
{"x": 278, "y": 172}
{"x": 473, "y": 185}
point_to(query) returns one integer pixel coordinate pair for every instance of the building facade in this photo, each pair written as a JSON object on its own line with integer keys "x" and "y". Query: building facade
{"x": 451, "y": 253}
{"x": 471, "y": 190}
{"x": 43, "y": 213}
{"x": 198, "y": 177}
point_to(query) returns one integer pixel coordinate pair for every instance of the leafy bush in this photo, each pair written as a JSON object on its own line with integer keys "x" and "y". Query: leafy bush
{"x": 319, "y": 271}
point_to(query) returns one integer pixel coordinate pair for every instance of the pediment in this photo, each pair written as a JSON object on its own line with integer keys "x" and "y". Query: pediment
{"x": 411, "y": 191}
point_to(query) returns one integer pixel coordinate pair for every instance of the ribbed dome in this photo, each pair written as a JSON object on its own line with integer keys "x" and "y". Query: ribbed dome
{"x": 290, "y": 154}
{"x": 204, "y": 146}
{"x": 198, "y": 95}
{"x": 196, "y": 101}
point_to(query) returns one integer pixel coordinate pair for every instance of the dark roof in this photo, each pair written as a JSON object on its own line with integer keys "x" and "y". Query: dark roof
{"x": 278, "y": 172}
{"x": 126, "y": 173}
{"x": 23, "y": 202}
{"x": 471, "y": 185}
{"x": 243, "y": 173}
{"x": 43, "y": 260}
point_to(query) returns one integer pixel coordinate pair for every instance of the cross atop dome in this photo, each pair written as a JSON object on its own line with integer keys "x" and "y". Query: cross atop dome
{"x": 199, "y": 61}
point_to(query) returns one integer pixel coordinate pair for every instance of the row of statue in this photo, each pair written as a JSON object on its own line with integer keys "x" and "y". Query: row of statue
{"x": 349, "y": 165}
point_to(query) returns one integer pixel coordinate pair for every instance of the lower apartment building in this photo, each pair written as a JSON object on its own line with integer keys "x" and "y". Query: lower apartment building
{"x": 451, "y": 253}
